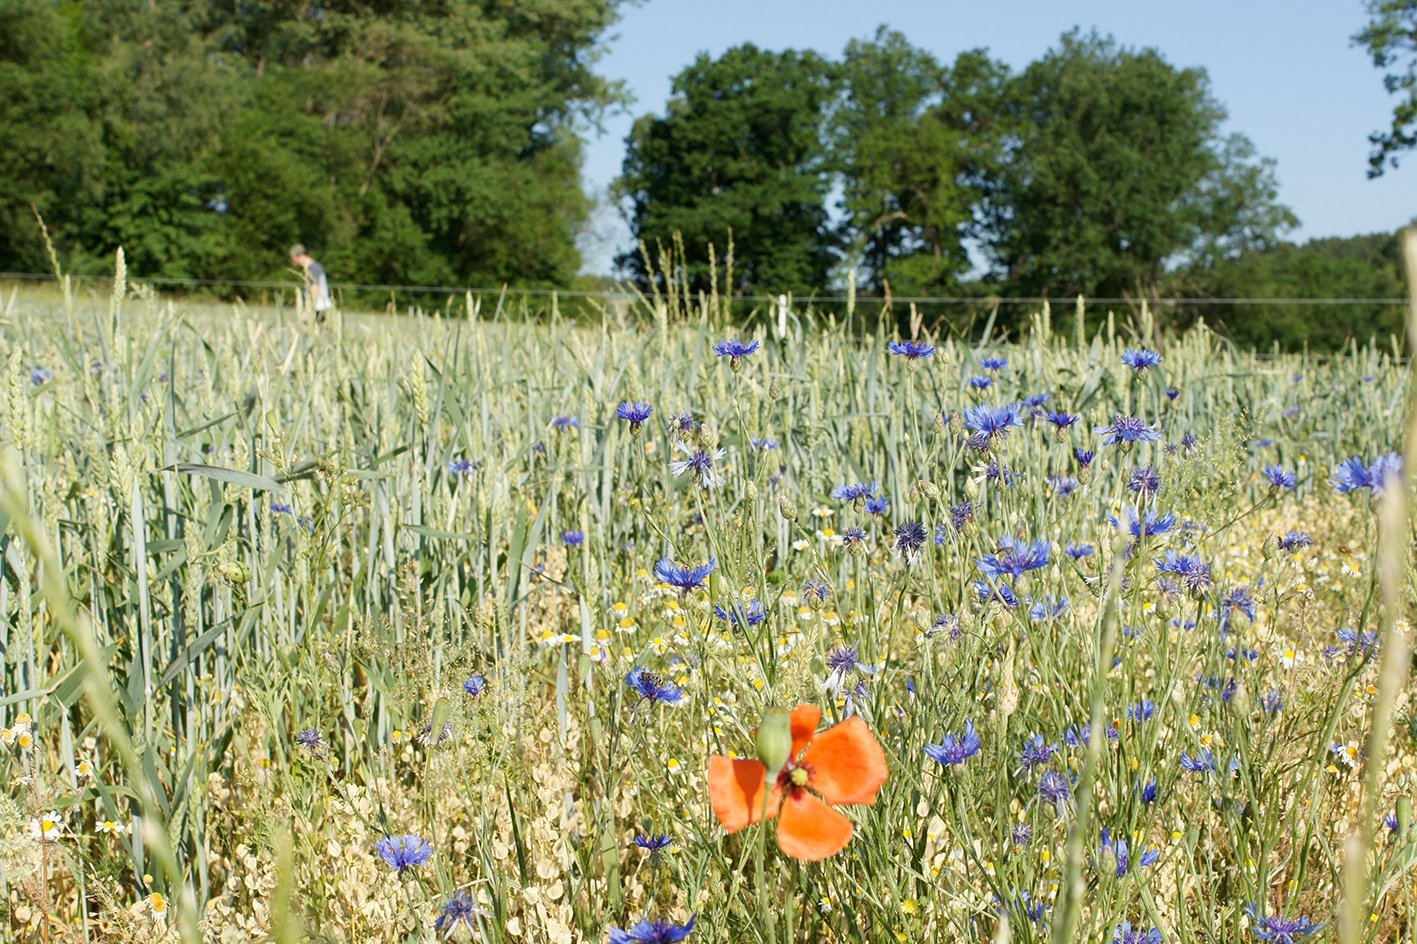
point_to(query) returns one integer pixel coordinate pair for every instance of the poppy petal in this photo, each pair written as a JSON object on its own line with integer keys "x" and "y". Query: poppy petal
{"x": 847, "y": 763}
{"x": 736, "y": 791}
{"x": 810, "y": 830}
{"x": 805, "y": 719}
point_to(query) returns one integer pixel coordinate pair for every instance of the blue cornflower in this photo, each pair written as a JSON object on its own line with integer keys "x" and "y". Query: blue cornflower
{"x": 911, "y": 350}
{"x": 853, "y": 538}
{"x": 699, "y": 464}
{"x": 634, "y": 412}
{"x": 991, "y": 422}
{"x": 1121, "y": 851}
{"x": 1235, "y": 653}
{"x": 878, "y": 506}
{"x": 1151, "y": 525}
{"x": 653, "y": 843}
{"x": 565, "y": 422}
{"x": 1053, "y": 787}
{"x": 947, "y": 625}
{"x": 1015, "y": 557}
{"x": 1143, "y": 710}
{"x": 1078, "y": 551}
{"x": 1295, "y": 540}
{"x": 954, "y": 749}
{"x": 1076, "y": 735}
{"x": 683, "y": 423}
{"x": 1189, "y": 443}
{"x": 1063, "y": 486}
{"x": 1139, "y": 359}
{"x": 762, "y": 445}
{"x": 1279, "y": 478}
{"x": 475, "y": 685}
{"x": 1145, "y": 480}
{"x": 1193, "y": 572}
{"x": 281, "y": 508}
{"x": 646, "y": 931}
{"x": 752, "y": 614}
{"x": 1084, "y": 457}
{"x": 1000, "y": 474}
{"x": 685, "y": 578}
{"x": 1272, "y": 702}
{"x": 981, "y": 382}
{"x": 1216, "y": 683}
{"x": 961, "y": 514}
{"x": 1353, "y": 475}
{"x": 404, "y": 852}
{"x": 994, "y": 364}
{"x": 1353, "y": 643}
{"x": 573, "y": 538}
{"x": 1034, "y": 401}
{"x": 1203, "y": 763}
{"x": 1126, "y": 934}
{"x": 815, "y": 589}
{"x": 1172, "y": 393}
{"x": 312, "y": 740}
{"x": 909, "y": 538}
{"x": 735, "y": 350}
{"x": 1239, "y": 600}
{"x": 1036, "y": 752}
{"x": 458, "y": 911}
{"x": 855, "y": 492}
{"x": 462, "y": 466}
{"x": 1062, "y": 419}
{"x": 653, "y": 688}
{"x": 1000, "y": 593}
{"x": 1281, "y": 930}
{"x": 1046, "y": 608}
{"x": 1127, "y": 430}
{"x": 1146, "y": 792}
{"x": 40, "y": 376}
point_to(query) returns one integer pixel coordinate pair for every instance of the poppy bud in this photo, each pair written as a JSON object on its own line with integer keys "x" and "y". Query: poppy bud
{"x": 775, "y": 740}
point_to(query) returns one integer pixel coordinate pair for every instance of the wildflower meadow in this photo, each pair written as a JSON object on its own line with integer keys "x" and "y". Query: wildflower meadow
{"x": 658, "y": 625}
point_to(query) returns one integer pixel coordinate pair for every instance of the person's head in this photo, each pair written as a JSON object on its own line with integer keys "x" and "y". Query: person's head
{"x": 299, "y": 256}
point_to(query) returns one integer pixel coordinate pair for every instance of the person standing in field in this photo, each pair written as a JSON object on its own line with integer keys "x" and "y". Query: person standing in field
{"x": 316, "y": 284}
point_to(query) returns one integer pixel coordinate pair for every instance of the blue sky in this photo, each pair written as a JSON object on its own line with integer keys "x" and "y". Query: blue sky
{"x": 1285, "y": 71}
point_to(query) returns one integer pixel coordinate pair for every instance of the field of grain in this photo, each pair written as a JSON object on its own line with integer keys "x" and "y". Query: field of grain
{"x": 403, "y": 629}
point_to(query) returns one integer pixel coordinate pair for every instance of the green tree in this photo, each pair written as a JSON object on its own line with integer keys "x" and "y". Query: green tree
{"x": 738, "y": 150}
{"x": 1358, "y": 267}
{"x": 1115, "y": 168}
{"x": 913, "y": 141}
{"x": 429, "y": 140}
{"x": 1390, "y": 37}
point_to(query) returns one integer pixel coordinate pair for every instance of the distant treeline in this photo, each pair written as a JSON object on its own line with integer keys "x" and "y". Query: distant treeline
{"x": 440, "y": 143}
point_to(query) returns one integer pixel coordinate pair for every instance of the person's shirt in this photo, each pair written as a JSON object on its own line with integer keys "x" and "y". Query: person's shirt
{"x": 319, "y": 286}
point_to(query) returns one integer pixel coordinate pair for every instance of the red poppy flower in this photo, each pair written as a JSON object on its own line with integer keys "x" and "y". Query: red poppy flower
{"x": 842, "y": 765}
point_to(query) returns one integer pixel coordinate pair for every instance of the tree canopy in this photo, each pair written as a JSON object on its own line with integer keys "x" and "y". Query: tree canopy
{"x": 739, "y": 151}
{"x": 424, "y": 141}
{"x": 1390, "y": 37}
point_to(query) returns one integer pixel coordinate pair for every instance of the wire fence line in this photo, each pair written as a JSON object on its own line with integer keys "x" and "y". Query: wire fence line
{"x": 629, "y": 294}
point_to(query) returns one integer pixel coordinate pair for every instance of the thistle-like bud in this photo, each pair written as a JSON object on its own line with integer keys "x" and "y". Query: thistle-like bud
{"x": 736, "y": 363}
{"x": 929, "y": 489}
{"x": 774, "y": 390}
{"x": 787, "y": 508}
{"x": 956, "y": 423}
{"x": 775, "y": 740}
{"x": 752, "y": 490}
